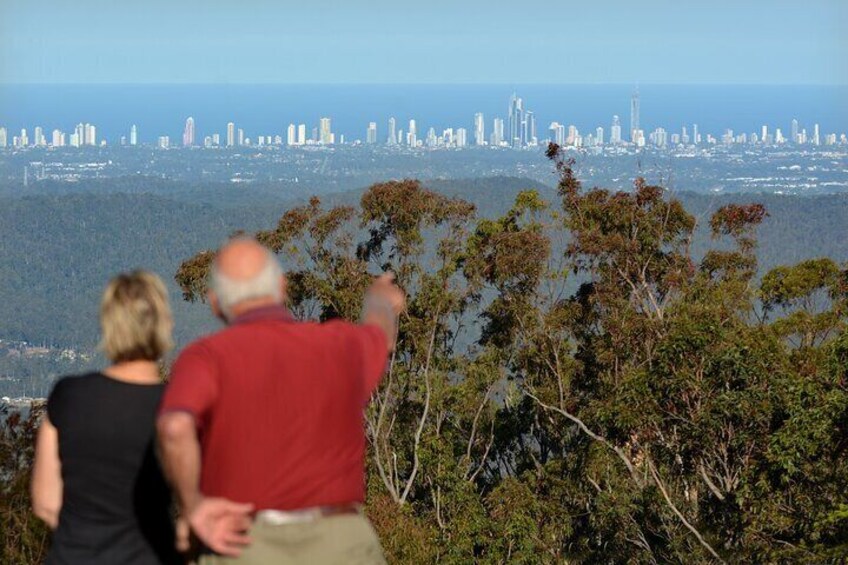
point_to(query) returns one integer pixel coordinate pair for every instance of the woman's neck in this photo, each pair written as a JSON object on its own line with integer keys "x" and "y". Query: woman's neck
{"x": 141, "y": 372}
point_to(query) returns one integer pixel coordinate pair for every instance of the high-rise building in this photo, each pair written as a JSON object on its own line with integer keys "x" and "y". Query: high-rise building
{"x": 58, "y": 138}
{"x": 556, "y": 132}
{"x": 23, "y": 140}
{"x": 301, "y": 134}
{"x": 326, "y": 134}
{"x": 634, "y": 115}
{"x": 599, "y": 135}
{"x": 696, "y": 137}
{"x": 615, "y": 131}
{"x": 164, "y": 142}
{"x": 461, "y": 137}
{"x": 517, "y": 122}
{"x": 231, "y": 134}
{"x": 816, "y": 139}
{"x": 497, "y": 132}
{"x": 479, "y": 129}
{"x": 291, "y": 135}
{"x": 90, "y": 135}
{"x": 188, "y": 133}
{"x": 531, "y": 138}
{"x": 794, "y": 130}
{"x": 133, "y": 135}
{"x": 371, "y": 136}
{"x": 431, "y": 137}
{"x": 412, "y": 134}
{"x": 572, "y": 135}
{"x": 391, "y": 139}
{"x": 216, "y": 139}
{"x": 240, "y": 137}
{"x": 764, "y": 136}
{"x": 38, "y": 137}
{"x": 4, "y": 139}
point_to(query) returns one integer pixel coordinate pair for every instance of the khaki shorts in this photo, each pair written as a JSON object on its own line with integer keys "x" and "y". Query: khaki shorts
{"x": 344, "y": 538}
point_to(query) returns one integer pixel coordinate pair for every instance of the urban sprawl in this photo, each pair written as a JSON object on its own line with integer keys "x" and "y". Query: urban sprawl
{"x": 518, "y": 130}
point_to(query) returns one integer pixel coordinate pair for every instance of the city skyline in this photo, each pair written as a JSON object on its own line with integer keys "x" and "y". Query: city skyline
{"x": 521, "y": 133}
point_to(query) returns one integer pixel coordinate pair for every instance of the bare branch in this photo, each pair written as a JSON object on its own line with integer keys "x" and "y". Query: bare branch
{"x": 677, "y": 512}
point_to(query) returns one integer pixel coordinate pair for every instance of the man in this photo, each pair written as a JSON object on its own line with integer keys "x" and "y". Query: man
{"x": 264, "y": 420}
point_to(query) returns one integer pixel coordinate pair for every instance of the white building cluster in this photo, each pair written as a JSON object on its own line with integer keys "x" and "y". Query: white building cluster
{"x": 517, "y": 130}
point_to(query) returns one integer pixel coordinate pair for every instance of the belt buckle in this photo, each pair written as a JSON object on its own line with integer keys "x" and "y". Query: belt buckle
{"x": 282, "y": 518}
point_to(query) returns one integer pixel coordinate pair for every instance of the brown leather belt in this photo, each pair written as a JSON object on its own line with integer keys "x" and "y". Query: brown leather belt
{"x": 304, "y": 515}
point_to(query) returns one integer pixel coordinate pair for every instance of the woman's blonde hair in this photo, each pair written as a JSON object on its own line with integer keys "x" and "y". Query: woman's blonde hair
{"x": 135, "y": 318}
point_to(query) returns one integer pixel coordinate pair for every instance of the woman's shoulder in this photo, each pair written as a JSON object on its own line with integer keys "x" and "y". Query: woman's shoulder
{"x": 70, "y": 382}
{"x": 65, "y": 389}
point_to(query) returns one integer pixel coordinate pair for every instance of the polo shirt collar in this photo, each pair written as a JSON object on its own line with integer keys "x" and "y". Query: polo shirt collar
{"x": 264, "y": 313}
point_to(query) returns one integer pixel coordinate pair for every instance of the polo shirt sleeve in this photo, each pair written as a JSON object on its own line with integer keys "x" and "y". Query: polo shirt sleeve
{"x": 193, "y": 384}
{"x": 370, "y": 342}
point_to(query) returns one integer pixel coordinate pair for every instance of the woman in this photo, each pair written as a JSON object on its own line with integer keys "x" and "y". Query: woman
{"x": 96, "y": 479}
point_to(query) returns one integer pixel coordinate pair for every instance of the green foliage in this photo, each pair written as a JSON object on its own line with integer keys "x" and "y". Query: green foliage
{"x": 647, "y": 416}
{"x": 575, "y": 383}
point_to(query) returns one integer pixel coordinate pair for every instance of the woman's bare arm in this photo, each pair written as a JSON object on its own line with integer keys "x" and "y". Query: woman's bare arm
{"x": 46, "y": 488}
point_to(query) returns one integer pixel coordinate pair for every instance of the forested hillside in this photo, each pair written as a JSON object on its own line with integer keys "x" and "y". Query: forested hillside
{"x": 58, "y": 250}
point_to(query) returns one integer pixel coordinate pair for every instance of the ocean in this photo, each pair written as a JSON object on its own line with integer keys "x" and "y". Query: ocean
{"x": 268, "y": 109}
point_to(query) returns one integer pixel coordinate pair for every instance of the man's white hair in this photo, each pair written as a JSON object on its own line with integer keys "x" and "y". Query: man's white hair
{"x": 265, "y": 284}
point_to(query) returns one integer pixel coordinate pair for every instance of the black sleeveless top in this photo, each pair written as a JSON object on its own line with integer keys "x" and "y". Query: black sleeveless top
{"x": 115, "y": 502}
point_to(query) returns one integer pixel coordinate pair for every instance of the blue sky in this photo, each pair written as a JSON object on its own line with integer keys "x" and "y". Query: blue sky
{"x": 424, "y": 41}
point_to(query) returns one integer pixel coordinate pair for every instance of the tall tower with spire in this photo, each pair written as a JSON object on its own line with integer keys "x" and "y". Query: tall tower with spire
{"x": 634, "y": 115}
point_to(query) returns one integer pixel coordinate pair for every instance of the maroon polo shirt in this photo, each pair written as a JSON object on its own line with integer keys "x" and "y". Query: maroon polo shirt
{"x": 279, "y": 408}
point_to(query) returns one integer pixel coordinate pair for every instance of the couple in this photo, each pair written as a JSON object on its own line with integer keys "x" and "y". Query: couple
{"x": 260, "y": 428}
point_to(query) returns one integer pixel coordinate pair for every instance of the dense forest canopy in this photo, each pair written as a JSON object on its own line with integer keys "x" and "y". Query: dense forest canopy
{"x": 668, "y": 408}
{"x": 640, "y": 387}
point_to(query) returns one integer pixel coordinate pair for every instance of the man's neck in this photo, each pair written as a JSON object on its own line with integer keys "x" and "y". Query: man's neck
{"x": 247, "y": 306}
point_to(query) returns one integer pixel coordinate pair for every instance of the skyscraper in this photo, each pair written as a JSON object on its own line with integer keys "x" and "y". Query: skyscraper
{"x": 326, "y": 133}
{"x": 371, "y": 136}
{"x": 240, "y": 137}
{"x": 696, "y": 137}
{"x": 461, "y": 137}
{"x": 90, "y": 134}
{"x": 412, "y": 134}
{"x": 479, "y": 129}
{"x": 39, "y": 140}
{"x": 231, "y": 134}
{"x": 634, "y": 115}
{"x": 615, "y": 131}
{"x": 498, "y": 132}
{"x": 4, "y": 138}
{"x": 188, "y": 133}
{"x": 291, "y": 135}
{"x": 58, "y": 138}
{"x": 133, "y": 135}
{"x": 599, "y": 136}
{"x": 556, "y": 131}
{"x": 816, "y": 139}
{"x": 392, "y": 137}
{"x": 517, "y": 122}
{"x": 530, "y": 136}
{"x": 301, "y": 134}
{"x": 794, "y": 130}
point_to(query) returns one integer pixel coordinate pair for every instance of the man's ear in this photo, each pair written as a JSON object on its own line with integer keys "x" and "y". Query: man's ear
{"x": 214, "y": 304}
